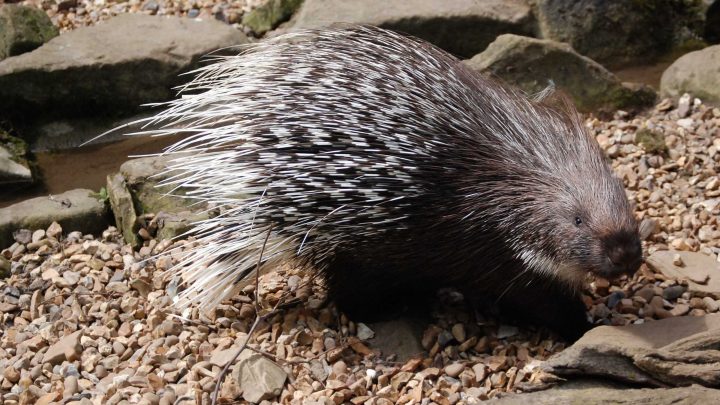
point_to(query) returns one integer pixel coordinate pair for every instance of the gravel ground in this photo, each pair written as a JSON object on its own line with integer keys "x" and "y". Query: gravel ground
{"x": 88, "y": 320}
{"x": 70, "y": 14}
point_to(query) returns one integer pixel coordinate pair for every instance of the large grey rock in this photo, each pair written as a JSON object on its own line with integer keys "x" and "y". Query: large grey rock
{"x": 670, "y": 352}
{"x": 109, "y": 68}
{"x": 701, "y": 271}
{"x": 697, "y": 73}
{"x": 462, "y": 27}
{"x": 531, "y": 64}
{"x": 617, "y": 32}
{"x": 74, "y": 210}
{"x": 596, "y": 393}
{"x": 23, "y": 29}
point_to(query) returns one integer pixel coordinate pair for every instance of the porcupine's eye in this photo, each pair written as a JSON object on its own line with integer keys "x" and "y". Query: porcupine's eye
{"x": 578, "y": 221}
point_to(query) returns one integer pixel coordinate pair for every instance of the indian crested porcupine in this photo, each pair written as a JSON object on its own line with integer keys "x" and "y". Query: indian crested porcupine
{"x": 391, "y": 168}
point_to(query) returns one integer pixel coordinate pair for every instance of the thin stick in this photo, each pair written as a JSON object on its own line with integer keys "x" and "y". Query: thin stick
{"x": 257, "y": 271}
{"x": 258, "y": 318}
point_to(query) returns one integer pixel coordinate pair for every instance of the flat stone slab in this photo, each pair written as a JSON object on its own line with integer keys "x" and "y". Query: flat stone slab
{"x": 112, "y": 67}
{"x": 594, "y": 393}
{"x": 462, "y": 27}
{"x": 74, "y": 210}
{"x": 700, "y": 270}
{"x": 670, "y": 352}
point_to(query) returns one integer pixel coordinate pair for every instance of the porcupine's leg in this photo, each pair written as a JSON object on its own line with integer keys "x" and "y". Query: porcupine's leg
{"x": 368, "y": 292}
{"x": 547, "y": 304}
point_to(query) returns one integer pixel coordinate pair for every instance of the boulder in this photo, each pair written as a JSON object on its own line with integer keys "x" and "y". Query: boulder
{"x": 620, "y": 32}
{"x": 109, "y": 68}
{"x": 697, "y": 73}
{"x": 531, "y": 64}
{"x": 23, "y": 29}
{"x": 601, "y": 393}
{"x": 75, "y": 210}
{"x": 461, "y": 27}
{"x": 670, "y": 352}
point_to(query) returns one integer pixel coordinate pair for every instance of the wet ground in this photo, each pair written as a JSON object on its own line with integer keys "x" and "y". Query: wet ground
{"x": 83, "y": 167}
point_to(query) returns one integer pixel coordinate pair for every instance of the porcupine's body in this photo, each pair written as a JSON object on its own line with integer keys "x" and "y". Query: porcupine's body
{"x": 390, "y": 167}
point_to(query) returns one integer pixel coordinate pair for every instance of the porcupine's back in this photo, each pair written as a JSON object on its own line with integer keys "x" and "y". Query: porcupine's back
{"x": 360, "y": 146}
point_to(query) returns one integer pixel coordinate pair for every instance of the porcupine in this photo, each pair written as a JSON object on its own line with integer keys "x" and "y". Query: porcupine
{"x": 391, "y": 168}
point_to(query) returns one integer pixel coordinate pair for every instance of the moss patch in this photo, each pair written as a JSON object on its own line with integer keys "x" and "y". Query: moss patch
{"x": 270, "y": 15}
{"x": 652, "y": 141}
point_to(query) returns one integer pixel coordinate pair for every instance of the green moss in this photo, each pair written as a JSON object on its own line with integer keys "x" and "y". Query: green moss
{"x": 270, "y": 15}
{"x": 652, "y": 141}
{"x": 101, "y": 195}
{"x": 23, "y": 29}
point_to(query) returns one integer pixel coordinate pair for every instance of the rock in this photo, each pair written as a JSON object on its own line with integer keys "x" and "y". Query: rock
{"x": 673, "y": 292}
{"x": 96, "y": 69}
{"x": 618, "y": 32}
{"x": 12, "y": 172}
{"x": 364, "y": 332}
{"x": 70, "y": 386}
{"x": 454, "y": 369}
{"x": 74, "y": 209}
{"x": 67, "y": 348}
{"x": 400, "y": 337}
{"x": 652, "y": 142}
{"x": 135, "y": 191}
{"x": 461, "y": 27}
{"x": 695, "y": 73}
{"x": 269, "y": 15}
{"x": 4, "y": 267}
{"x": 674, "y": 351}
{"x": 123, "y": 208}
{"x": 532, "y": 64}
{"x": 23, "y": 29}
{"x": 700, "y": 270}
{"x": 259, "y": 378}
{"x": 600, "y": 393}
{"x": 222, "y": 357}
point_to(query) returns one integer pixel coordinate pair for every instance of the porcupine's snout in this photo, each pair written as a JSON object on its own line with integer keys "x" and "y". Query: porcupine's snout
{"x": 624, "y": 254}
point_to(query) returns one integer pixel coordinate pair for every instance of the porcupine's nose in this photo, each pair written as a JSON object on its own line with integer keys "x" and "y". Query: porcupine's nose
{"x": 625, "y": 253}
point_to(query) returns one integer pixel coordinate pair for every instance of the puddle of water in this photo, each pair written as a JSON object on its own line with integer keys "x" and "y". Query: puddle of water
{"x": 84, "y": 167}
{"x": 646, "y": 74}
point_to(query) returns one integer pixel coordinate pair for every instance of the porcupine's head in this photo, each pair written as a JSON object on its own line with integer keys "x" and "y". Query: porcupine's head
{"x": 553, "y": 196}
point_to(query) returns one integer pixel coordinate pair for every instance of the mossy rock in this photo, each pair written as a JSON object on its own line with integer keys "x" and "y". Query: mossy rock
{"x": 23, "y": 29}
{"x": 532, "y": 64}
{"x": 652, "y": 141}
{"x": 270, "y": 15}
